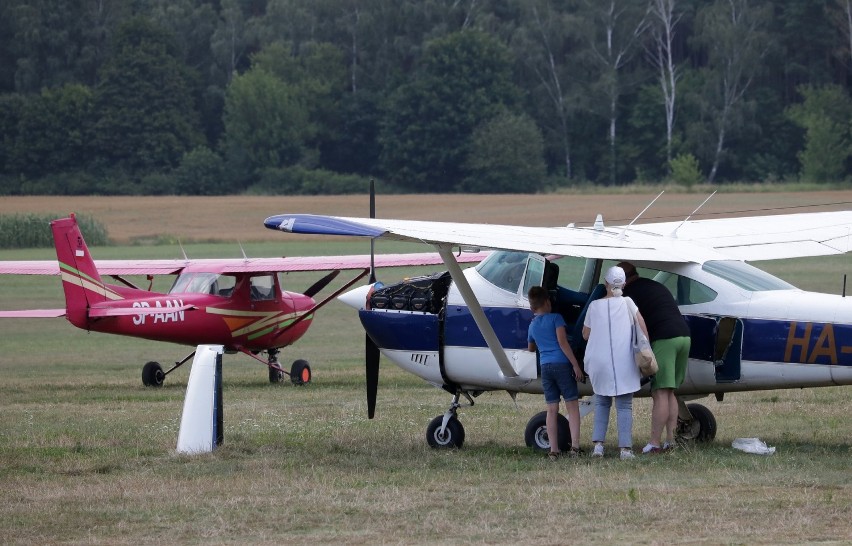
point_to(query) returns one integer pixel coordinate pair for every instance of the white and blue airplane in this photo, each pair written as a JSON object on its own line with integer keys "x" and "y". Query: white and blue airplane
{"x": 465, "y": 330}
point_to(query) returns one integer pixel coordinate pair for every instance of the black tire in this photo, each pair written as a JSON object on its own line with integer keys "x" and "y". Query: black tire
{"x": 152, "y": 374}
{"x": 453, "y": 436}
{"x": 535, "y": 434}
{"x": 703, "y": 427}
{"x": 300, "y": 372}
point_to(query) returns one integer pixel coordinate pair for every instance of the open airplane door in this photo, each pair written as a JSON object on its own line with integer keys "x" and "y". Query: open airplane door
{"x": 718, "y": 340}
{"x": 728, "y": 350}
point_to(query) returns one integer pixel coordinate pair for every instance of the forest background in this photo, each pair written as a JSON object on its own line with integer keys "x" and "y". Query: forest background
{"x": 198, "y": 97}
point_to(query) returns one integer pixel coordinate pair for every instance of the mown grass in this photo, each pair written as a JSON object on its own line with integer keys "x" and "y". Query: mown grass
{"x": 87, "y": 455}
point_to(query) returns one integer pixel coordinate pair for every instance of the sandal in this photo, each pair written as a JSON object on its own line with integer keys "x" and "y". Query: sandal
{"x": 575, "y": 452}
{"x": 552, "y": 455}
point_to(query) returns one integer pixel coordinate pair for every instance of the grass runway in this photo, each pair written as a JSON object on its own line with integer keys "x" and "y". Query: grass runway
{"x": 87, "y": 454}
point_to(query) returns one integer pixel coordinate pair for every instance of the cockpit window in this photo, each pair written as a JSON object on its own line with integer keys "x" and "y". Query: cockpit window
{"x": 534, "y": 275}
{"x": 686, "y": 291}
{"x": 262, "y": 287}
{"x": 745, "y": 276}
{"x": 504, "y": 269}
{"x": 204, "y": 283}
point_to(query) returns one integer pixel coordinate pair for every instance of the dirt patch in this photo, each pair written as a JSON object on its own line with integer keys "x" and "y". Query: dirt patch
{"x": 240, "y": 218}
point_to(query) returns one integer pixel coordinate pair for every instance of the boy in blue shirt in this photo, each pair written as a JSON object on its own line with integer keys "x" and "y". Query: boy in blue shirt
{"x": 547, "y": 334}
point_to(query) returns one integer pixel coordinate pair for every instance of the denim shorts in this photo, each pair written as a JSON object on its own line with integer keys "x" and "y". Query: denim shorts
{"x": 558, "y": 380}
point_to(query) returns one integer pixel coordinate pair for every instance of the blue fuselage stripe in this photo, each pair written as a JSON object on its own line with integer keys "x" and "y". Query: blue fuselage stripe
{"x": 763, "y": 340}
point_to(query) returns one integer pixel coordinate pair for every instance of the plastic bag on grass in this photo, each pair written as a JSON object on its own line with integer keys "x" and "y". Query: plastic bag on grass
{"x": 752, "y": 445}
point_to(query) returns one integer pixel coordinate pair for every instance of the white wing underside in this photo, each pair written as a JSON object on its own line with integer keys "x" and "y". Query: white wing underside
{"x": 751, "y": 238}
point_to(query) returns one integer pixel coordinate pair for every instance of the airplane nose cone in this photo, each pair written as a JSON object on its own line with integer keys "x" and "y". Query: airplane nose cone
{"x": 357, "y": 297}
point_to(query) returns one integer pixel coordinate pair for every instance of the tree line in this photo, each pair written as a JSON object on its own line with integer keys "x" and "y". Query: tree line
{"x": 316, "y": 96}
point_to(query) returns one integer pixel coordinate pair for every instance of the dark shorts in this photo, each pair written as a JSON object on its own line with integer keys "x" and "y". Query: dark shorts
{"x": 672, "y": 358}
{"x": 558, "y": 380}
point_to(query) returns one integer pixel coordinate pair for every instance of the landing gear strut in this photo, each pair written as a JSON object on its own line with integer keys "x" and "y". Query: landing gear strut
{"x": 153, "y": 374}
{"x": 446, "y": 431}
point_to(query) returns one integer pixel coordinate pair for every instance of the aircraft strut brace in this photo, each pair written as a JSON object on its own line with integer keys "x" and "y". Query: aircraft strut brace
{"x": 476, "y": 311}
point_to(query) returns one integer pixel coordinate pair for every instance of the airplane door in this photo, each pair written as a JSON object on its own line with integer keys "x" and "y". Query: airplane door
{"x": 728, "y": 349}
{"x": 718, "y": 340}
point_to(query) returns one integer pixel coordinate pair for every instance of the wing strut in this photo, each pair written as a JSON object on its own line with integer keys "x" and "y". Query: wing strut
{"x": 476, "y": 311}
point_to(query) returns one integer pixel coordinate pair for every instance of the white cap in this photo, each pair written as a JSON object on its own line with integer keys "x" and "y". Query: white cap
{"x": 615, "y": 277}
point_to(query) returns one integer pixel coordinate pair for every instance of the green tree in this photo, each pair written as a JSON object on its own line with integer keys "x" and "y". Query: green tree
{"x": 612, "y": 29}
{"x": 316, "y": 76}
{"x": 825, "y": 115}
{"x": 506, "y": 156}
{"x": 546, "y": 43}
{"x": 11, "y": 107}
{"x": 148, "y": 118}
{"x": 54, "y": 131}
{"x": 201, "y": 172}
{"x": 464, "y": 79}
{"x": 734, "y": 35}
{"x": 266, "y": 124}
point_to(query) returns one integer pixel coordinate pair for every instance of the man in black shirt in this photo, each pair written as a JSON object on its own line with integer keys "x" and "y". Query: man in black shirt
{"x": 669, "y": 336}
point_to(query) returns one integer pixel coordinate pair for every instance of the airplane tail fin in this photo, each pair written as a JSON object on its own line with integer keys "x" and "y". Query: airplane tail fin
{"x": 80, "y": 278}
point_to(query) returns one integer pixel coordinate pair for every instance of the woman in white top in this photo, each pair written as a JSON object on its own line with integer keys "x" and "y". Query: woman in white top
{"x": 609, "y": 361}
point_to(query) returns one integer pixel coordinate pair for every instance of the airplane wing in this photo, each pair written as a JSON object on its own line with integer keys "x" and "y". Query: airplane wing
{"x": 237, "y": 265}
{"x": 751, "y": 238}
{"x": 33, "y": 313}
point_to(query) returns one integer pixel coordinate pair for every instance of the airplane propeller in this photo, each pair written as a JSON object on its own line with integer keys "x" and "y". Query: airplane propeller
{"x": 320, "y": 284}
{"x": 372, "y": 352}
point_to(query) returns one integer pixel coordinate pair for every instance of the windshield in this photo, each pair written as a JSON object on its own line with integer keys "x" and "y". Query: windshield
{"x": 504, "y": 269}
{"x": 203, "y": 283}
{"x": 745, "y": 276}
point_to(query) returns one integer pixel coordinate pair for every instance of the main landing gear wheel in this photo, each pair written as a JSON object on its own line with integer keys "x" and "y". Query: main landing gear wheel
{"x": 452, "y": 437}
{"x": 300, "y": 372}
{"x": 702, "y": 428}
{"x": 152, "y": 375}
{"x": 535, "y": 434}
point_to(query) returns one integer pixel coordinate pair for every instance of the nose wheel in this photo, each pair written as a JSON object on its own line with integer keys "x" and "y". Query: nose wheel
{"x": 446, "y": 431}
{"x": 300, "y": 370}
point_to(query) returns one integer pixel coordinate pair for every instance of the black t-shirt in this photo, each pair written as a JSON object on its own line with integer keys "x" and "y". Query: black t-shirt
{"x": 658, "y": 308}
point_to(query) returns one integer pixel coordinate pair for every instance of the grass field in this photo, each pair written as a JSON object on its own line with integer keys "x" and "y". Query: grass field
{"x": 87, "y": 454}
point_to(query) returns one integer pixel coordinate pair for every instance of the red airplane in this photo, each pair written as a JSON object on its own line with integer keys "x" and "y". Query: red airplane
{"x": 237, "y": 303}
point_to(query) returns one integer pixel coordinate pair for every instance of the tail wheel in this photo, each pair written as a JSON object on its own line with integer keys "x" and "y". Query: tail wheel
{"x": 152, "y": 374}
{"x": 300, "y": 372}
{"x": 452, "y": 437}
{"x": 535, "y": 434}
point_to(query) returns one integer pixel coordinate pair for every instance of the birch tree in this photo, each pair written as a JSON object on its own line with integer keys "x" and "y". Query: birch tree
{"x": 616, "y": 26}
{"x": 734, "y": 37}
{"x": 661, "y": 23}
{"x": 541, "y": 43}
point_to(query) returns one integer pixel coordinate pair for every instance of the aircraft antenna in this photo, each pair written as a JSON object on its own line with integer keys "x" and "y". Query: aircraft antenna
{"x": 685, "y": 220}
{"x": 654, "y": 200}
{"x": 183, "y": 251}
{"x": 243, "y": 251}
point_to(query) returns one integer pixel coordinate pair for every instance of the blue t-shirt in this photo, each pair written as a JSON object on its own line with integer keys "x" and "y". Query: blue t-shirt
{"x": 542, "y": 332}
